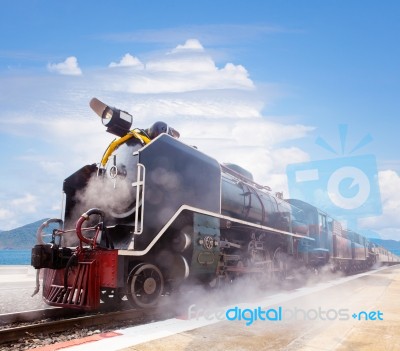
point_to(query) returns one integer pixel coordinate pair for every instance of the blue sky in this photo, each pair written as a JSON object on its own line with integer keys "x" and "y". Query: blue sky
{"x": 284, "y": 72}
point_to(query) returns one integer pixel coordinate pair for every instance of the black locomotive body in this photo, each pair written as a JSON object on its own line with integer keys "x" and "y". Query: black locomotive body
{"x": 156, "y": 213}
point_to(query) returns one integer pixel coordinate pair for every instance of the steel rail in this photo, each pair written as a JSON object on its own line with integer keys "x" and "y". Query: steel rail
{"x": 48, "y": 327}
{"x": 37, "y": 315}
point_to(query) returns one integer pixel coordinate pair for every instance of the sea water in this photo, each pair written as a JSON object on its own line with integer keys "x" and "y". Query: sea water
{"x": 15, "y": 257}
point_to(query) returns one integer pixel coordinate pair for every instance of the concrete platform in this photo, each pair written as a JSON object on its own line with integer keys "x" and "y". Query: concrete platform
{"x": 352, "y": 313}
{"x": 11, "y": 274}
{"x": 17, "y": 284}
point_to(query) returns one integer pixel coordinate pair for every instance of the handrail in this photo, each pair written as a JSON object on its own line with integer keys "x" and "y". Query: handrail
{"x": 84, "y": 217}
{"x": 139, "y": 184}
{"x": 40, "y": 234}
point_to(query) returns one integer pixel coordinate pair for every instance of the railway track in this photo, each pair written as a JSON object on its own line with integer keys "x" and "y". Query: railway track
{"x": 36, "y": 315}
{"x": 71, "y": 322}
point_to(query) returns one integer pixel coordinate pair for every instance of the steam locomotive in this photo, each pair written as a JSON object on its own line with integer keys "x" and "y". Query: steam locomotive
{"x": 156, "y": 213}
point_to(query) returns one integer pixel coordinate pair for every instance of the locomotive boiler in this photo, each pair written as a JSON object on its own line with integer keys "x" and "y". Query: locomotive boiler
{"x": 155, "y": 214}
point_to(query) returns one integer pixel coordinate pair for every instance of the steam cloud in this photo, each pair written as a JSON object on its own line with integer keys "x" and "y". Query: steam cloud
{"x": 114, "y": 197}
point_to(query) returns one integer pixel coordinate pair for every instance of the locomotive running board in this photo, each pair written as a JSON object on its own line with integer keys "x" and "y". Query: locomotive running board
{"x": 211, "y": 214}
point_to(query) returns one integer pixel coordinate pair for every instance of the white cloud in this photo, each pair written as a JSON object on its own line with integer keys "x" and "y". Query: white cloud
{"x": 183, "y": 63}
{"x": 25, "y": 204}
{"x": 218, "y": 109}
{"x": 258, "y": 131}
{"x": 179, "y": 75}
{"x": 388, "y": 223}
{"x": 5, "y": 214}
{"x": 53, "y": 167}
{"x": 69, "y": 67}
{"x": 190, "y": 44}
{"x": 186, "y": 68}
{"x": 21, "y": 210}
{"x": 223, "y": 106}
{"x": 128, "y": 61}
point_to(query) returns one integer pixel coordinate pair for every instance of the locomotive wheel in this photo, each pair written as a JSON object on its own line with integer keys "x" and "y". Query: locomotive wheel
{"x": 145, "y": 285}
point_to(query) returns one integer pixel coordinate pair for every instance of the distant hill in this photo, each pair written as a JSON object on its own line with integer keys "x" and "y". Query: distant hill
{"x": 20, "y": 238}
{"x": 391, "y": 245}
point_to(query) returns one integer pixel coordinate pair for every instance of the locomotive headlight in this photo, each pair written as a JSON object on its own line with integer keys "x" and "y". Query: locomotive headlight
{"x": 107, "y": 116}
{"x": 117, "y": 122}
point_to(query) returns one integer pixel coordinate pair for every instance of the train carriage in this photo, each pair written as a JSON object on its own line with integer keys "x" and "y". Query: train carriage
{"x": 342, "y": 249}
{"x": 325, "y": 231}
